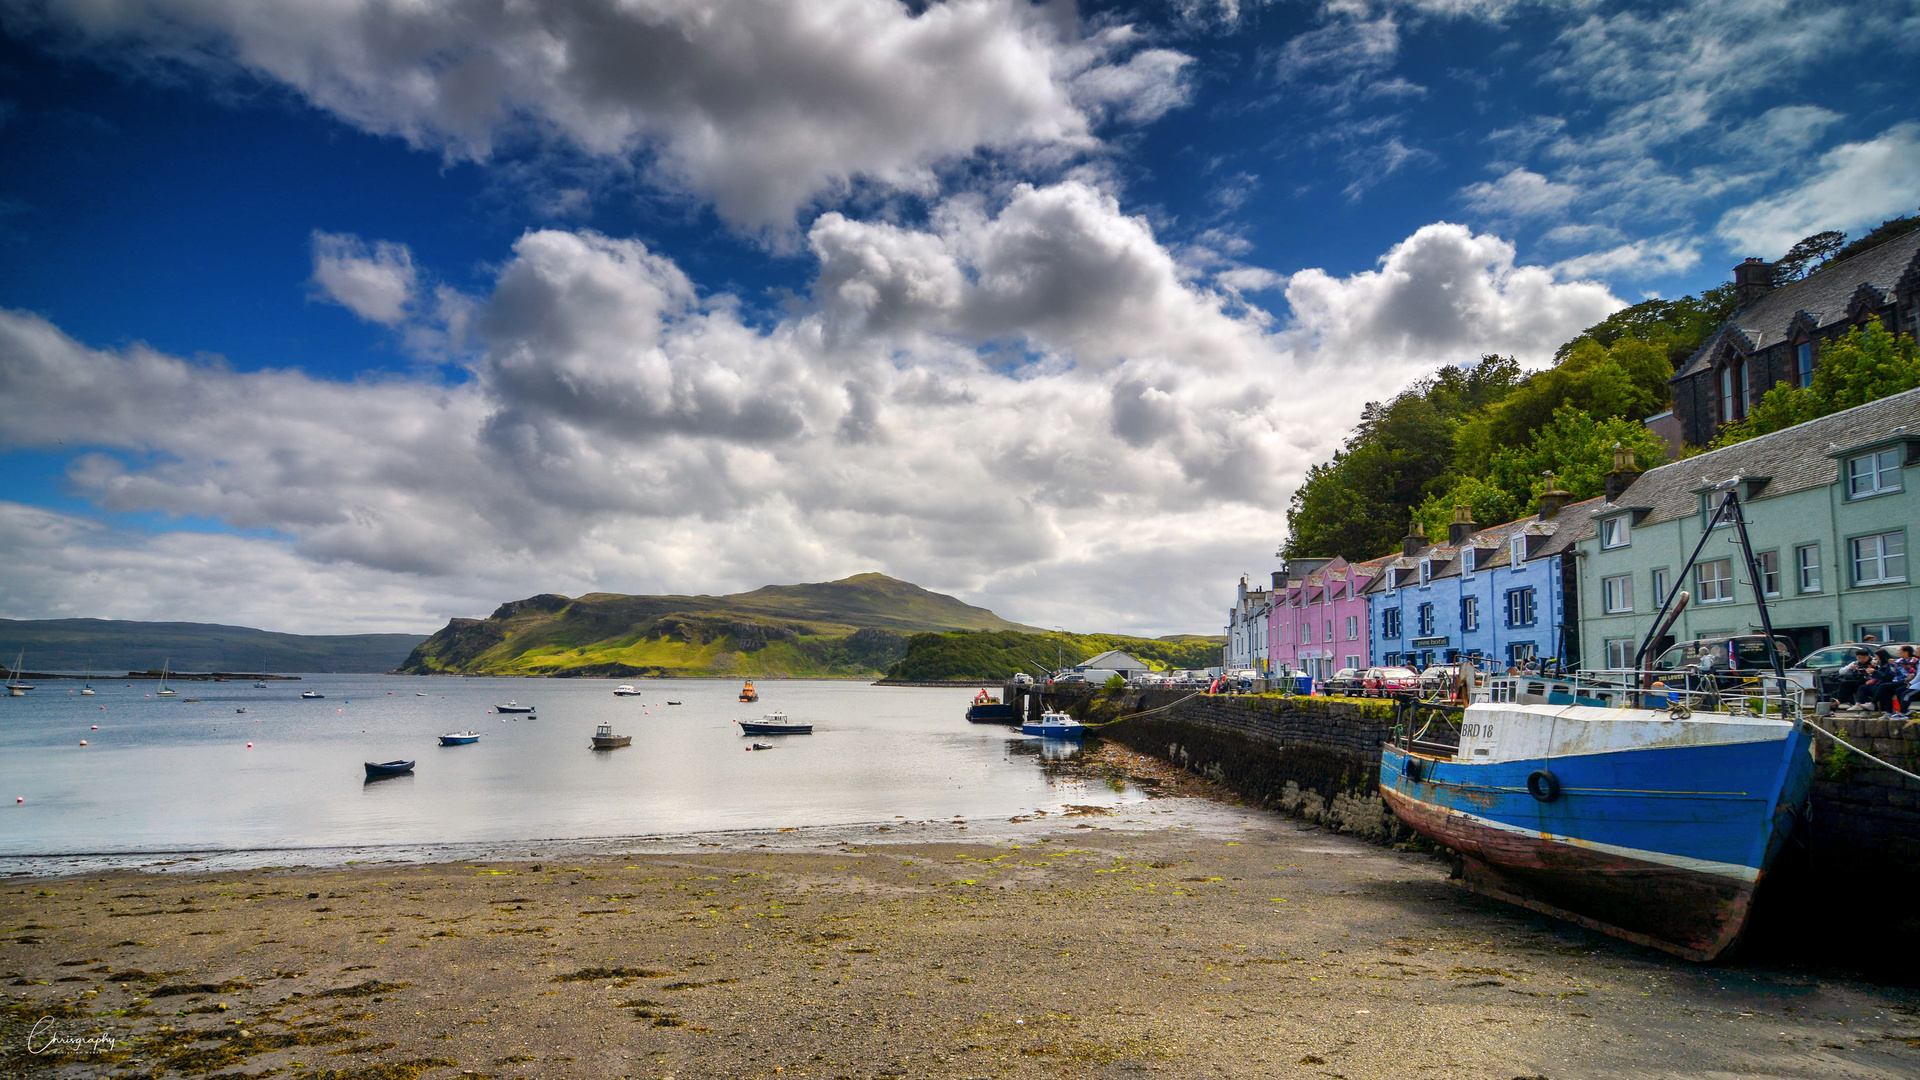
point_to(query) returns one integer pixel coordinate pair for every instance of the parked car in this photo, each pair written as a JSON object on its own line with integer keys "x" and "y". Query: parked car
{"x": 1344, "y": 681}
{"x": 1387, "y": 681}
{"x": 1021, "y": 678}
{"x": 1069, "y": 677}
{"x": 1729, "y": 658}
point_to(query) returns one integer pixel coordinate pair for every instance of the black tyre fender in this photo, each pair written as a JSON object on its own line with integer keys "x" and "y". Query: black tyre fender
{"x": 1411, "y": 769}
{"x": 1543, "y": 785}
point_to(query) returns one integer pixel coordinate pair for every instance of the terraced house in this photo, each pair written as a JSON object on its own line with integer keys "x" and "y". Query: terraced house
{"x": 1831, "y": 505}
{"x": 1778, "y": 333}
{"x": 1318, "y": 623}
{"x": 1500, "y": 593}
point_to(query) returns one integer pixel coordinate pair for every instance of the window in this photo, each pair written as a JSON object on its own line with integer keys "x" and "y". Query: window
{"x": 1746, "y": 395}
{"x": 1329, "y": 638}
{"x": 1520, "y": 651}
{"x": 1468, "y": 556}
{"x": 1726, "y": 394}
{"x": 1615, "y": 532}
{"x": 1520, "y": 607}
{"x": 1426, "y": 619}
{"x": 1393, "y": 578}
{"x": 1426, "y": 572}
{"x": 1469, "y": 613}
{"x": 1620, "y": 652}
{"x": 1617, "y": 593}
{"x": 1806, "y": 561}
{"x": 1306, "y": 633}
{"x": 1353, "y": 662}
{"x": 1518, "y": 554}
{"x": 1879, "y": 560}
{"x": 1804, "y": 354}
{"x": 1353, "y": 629}
{"x": 1769, "y": 562}
{"x": 1716, "y": 581}
{"x": 1873, "y": 474}
{"x": 1883, "y": 631}
{"x": 1390, "y": 623}
{"x": 1659, "y": 583}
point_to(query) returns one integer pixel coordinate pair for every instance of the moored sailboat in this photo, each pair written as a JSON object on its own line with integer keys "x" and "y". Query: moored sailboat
{"x": 164, "y": 691}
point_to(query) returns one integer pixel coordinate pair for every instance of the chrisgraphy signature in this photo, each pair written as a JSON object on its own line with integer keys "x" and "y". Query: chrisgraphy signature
{"x": 43, "y": 1039}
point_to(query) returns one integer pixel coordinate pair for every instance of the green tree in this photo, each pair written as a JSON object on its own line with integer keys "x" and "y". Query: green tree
{"x": 1808, "y": 255}
{"x": 1866, "y": 365}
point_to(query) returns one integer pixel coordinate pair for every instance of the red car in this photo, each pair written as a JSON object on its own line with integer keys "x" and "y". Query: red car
{"x": 1387, "y": 681}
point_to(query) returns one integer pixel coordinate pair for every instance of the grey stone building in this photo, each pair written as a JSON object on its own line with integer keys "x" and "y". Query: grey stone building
{"x": 1777, "y": 334}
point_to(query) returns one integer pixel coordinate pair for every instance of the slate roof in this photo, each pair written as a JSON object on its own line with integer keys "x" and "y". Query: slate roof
{"x": 1795, "y": 458}
{"x": 1824, "y": 294}
{"x": 1557, "y": 534}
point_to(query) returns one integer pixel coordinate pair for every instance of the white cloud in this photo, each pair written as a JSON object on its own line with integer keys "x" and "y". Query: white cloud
{"x": 1521, "y": 193}
{"x": 1443, "y": 295}
{"x": 377, "y": 284}
{"x": 1635, "y": 261}
{"x": 1030, "y": 392}
{"x": 760, "y": 107}
{"x": 1855, "y": 184}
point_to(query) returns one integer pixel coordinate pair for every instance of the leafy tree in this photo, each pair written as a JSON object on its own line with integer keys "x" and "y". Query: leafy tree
{"x": 1115, "y": 681}
{"x": 1677, "y": 326}
{"x": 1809, "y": 255}
{"x": 1864, "y": 366}
{"x": 1880, "y": 234}
{"x": 1575, "y": 447}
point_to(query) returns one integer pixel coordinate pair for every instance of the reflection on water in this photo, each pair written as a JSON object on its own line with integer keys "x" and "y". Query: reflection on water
{"x": 170, "y": 774}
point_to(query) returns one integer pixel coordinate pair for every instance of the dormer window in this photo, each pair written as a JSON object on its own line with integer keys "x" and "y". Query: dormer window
{"x": 1616, "y": 532}
{"x": 1426, "y": 572}
{"x": 1804, "y": 358}
{"x": 1393, "y": 579}
{"x": 1468, "y": 556}
{"x": 1518, "y": 554}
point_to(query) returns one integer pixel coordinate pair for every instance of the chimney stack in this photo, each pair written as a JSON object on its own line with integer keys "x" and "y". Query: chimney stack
{"x": 1280, "y": 579}
{"x": 1623, "y": 473}
{"x": 1463, "y": 526}
{"x": 1415, "y": 540}
{"x": 1752, "y": 280}
{"x": 1552, "y": 499}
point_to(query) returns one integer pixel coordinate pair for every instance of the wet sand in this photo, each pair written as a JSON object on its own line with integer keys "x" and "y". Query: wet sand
{"x": 1184, "y": 937}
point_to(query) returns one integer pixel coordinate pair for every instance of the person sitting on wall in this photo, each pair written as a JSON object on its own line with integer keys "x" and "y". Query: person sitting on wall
{"x": 1848, "y": 680}
{"x": 1905, "y": 681}
{"x": 1879, "y": 683}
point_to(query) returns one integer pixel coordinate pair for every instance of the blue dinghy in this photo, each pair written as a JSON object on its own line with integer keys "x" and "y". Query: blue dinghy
{"x": 460, "y": 738}
{"x": 378, "y": 769}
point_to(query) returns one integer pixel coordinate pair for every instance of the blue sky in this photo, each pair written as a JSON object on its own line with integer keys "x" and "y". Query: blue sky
{"x": 329, "y": 317}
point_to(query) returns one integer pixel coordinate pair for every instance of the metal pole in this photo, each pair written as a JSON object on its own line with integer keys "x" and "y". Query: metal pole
{"x": 1759, "y": 588}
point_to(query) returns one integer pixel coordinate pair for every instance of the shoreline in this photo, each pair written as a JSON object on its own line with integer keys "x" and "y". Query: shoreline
{"x": 1180, "y": 936}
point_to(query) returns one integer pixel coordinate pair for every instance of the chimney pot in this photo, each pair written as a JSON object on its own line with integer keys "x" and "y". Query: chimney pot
{"x": 1463, "y": 526}
{"x": 1415, "y": 540}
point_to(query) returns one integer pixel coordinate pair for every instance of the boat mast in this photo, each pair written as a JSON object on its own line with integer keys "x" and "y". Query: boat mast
{"x": 1759, "y": 586}
{"x": 1728, "y": 510}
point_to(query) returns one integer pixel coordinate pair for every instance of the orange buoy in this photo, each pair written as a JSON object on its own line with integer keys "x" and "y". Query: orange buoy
{"x": 96, "y": 727}
{"x": 83, "y": 742}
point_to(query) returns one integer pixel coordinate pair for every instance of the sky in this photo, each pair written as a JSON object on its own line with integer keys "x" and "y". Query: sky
{"x": 337, "y": 316}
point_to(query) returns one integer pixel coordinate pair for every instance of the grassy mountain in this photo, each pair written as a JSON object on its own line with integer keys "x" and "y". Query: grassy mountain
{"x": 989, "y": 655}
{"x": 858, "y": 626}
{"x": 112, "y": 645}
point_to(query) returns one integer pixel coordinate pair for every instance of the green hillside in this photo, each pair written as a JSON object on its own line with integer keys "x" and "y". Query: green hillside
{"x": 111, "y": 645}
{"x": 991, "y": 655}
{"x": 858, "y": 626}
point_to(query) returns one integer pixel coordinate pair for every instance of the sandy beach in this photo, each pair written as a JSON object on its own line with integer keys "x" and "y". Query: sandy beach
{"x": 1186, "y": 936}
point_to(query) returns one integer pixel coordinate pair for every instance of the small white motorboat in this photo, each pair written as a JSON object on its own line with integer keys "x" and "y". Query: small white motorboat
{"x": 311, "y": 695}
{"x": 625, "y": 690}
{"x": 1055, "y": 725}
{"x": 773, "y": 723}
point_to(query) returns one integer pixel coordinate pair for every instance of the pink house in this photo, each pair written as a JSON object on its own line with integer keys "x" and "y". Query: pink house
{"x": 1318, "y": 621}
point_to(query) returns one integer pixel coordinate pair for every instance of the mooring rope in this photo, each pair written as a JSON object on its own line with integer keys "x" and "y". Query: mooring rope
{"x": 1150, "y": 712}
{"x": 1862, "y": 753}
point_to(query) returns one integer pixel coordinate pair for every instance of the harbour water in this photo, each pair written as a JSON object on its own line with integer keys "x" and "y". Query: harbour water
{"x": 284, "y": 779}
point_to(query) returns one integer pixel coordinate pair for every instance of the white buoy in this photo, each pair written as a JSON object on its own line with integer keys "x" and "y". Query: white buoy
{"x": 83, "y": 742}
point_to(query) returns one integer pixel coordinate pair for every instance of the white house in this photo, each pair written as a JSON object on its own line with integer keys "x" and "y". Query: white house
{"x": 1115, "y": 660}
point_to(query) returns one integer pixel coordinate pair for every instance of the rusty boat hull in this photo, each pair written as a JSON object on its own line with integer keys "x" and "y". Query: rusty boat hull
{"x": 1633, "y": 822}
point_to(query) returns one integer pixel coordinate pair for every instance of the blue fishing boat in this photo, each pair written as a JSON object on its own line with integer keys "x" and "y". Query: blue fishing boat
{"x": 459, "y": 738}
{"x": 378, "y": 769}
{"x": 1641, "y": 809}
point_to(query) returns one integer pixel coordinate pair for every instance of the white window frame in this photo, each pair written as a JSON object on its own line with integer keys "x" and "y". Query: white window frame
{"x": 1657, "y": 581}
{"x": 1723, "y": 581}
{"x": 1619, "y": 652}
{"x": 1468, "y": 556}
{"x": 1517, "y": 552}
{"x": 1352, "y": 662}
{"x": 1469, "y": 614}
{"x": 1353, "y": 629}
{"x": 1426, "y": 572}
{"x": 1769, "y": 563}
{"x": 1521, "y": 609}
{"x": 1806, "y": 565}
{"x": 1423, "y": 618}
{"x": 1882, "y": 474}
{"x": 1883, "y": 632}
{"x": 1803, "y": 361}
{"x": 1882, "y": 559}
{"x": 1616, "y": 532}
{"x": 1390, "y": 624}
{"x": 1616, "y": 594}
{"x": 1329, "y": 631}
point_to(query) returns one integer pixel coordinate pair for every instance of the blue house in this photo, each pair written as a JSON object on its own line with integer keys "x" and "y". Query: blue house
{"x": 1503, "y": 593}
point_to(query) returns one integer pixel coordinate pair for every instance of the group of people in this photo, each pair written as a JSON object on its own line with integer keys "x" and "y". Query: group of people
{"x": 1878, "y": 681}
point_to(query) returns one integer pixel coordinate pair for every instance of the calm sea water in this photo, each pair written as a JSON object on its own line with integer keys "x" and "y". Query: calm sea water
{"x": 172, "y": 774}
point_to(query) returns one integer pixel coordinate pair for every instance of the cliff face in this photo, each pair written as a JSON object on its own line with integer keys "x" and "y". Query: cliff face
{"x": 854, "y": 627}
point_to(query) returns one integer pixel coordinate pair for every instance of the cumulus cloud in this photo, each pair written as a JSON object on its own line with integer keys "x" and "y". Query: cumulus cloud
{"x": 1854, "y": 185}
{"x": 1635, "y": 261}
{"x": 1025, "y": 391}
{"x": 759, "y": 107}
{"x": 375, "y": 283}
{"x": 1445, "y": 294}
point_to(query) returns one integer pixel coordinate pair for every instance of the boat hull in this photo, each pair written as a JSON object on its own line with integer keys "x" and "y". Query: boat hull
{"x": 1662, "y": 841}
{"x": 513, "y": 708}
{"x": 458, "y": 740}
{"x": 1051, "y": 731}
{"x": 611, "y": 742}
{"x": 378, "y": 769}
{"x": 993, "y": 713}
{"x": 749, "y": 727}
